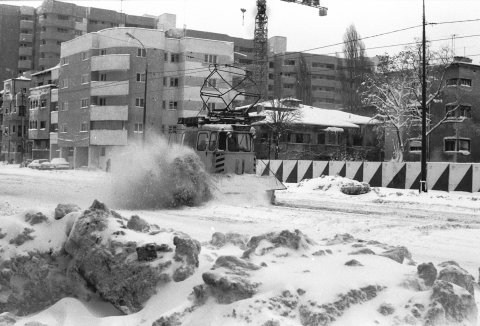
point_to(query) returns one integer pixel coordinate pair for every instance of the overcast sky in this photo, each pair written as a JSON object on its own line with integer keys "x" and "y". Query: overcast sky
{"x": 306, "y": 30}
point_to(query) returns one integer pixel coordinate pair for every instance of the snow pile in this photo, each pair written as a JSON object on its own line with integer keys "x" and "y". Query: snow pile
{"x": 326, "y": 184}
{"x": 95, "y": 253}
{"x": 158, "y": 175}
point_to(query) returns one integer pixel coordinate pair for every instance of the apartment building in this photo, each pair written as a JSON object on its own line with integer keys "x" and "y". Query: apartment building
{"x": 312, "y": 78}
{"x": 43, "y": 115}
{"x": 15, "y": 119}
{"x": 102, "y": 86}
{"x": 31, "y": 37}
{"x": 17, "y": 26}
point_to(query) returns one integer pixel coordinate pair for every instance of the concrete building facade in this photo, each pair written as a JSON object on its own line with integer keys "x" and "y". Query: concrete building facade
{"x": 15, "y": 119}
{"x": 43, "y": 114}
{"x": 102, "y": 86}
{"x": 17, "y": 25}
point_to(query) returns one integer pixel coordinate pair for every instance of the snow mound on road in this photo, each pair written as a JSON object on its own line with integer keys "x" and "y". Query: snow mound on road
{"x": 326, "y": 184}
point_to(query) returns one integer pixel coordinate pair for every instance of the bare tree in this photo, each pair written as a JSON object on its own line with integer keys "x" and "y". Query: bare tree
{"x": 281, "y": 115}
{"x": 356, "y": 66}
{"x": 394, "y": 89}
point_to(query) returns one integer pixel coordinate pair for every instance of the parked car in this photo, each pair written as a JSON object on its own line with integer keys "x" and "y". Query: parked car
{"x": 36, "y": 163}
{"x": 25, "y": 163}
{"x": 55, "y": 164}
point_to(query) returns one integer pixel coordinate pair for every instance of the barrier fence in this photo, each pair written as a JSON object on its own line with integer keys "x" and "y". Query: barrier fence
{"x": 440, "y": 175}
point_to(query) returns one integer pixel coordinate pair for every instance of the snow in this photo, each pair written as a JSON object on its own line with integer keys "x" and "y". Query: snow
{"x": 436, "y": 226}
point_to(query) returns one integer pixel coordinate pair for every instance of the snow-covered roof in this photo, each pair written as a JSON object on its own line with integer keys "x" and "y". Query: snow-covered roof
{"x": 314, "y": 116}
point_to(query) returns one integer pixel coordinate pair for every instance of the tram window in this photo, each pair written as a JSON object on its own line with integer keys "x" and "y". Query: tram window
{"x": 239, "y": 142}
{"x": 202, "y": 141}
{"x": 212, "y": 145}
{"x": 222, "y": 141}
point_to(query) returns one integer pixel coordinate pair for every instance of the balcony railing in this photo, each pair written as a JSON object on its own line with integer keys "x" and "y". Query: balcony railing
{"x": 27, "y": 51}
{"x": 109, "y": 88}
{"x": 27, "y": 38}
{"x": 25, "y": 64}
{"x": 111, "y": 62}
{"x": 109, "y": 113}
{"x": 108, "y": 137}
{"x": 26, "y": 24}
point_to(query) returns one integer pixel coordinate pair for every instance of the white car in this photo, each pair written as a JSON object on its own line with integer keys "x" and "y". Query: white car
{"x": 55, "y": 164}
{"x": 36, "y": 163}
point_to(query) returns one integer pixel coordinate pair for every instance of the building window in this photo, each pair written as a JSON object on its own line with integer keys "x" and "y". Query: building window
{"x": 173, "y": 82}
{"x": 63, "y": 127}
{"x": 288, "y": 86}
{"x": 164, "y": 104}
{"x": 289, "y": 62}
{"x": 103, "y": 77}
{"x": 102, "y": 101}
{"x": 139, "y": 102}
{"x": 138, "y": 128}
{"x": 210, "y": 58}
{"x": 62, "y": 17}
{"x": 62, "y": 30}
{"x": 141, "y": 52}
{"x": 84, "y": 55}
{"x": 465, "y": 82}
{"x": 64, "y": 61}
{"x": 174, "y": 57}
{"x": 415, "y": 144}
{"x": 212, "y": 82}
{"x": 85, "y": 103}
{"x": 165, "y": 81}
{"x": 271, "y": 65}
{"x": 103, "y": 51}
{"x": 456, "y": 144}
{"x": 172, "y": 105}
{"x": 65, "y": 83}
{"x": 165, "y": 56}
{"x": 43, "y": 124}
{"x": 300, "y": 138}
{"x": 64, "y": 106}
{"x": 85, "y": 79}
{"x": 455, "y": 111}
{"x": 140, "y": 77}
{"x": 83, "y": 127}
{"x": 78, "y": 33}
{"x": 172, "y": 129}
{"x": 43, "y": 103}
{"x": 211, "y": 106}
{"x": 102, "y": 151}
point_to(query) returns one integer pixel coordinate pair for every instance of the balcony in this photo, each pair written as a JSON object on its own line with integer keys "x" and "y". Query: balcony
{"x": 111, "y": 62}
{"x": 108, "y": 137}
{"x": 26, "y": 38}
{"x": 54, "y": 117}
{"x": 109, "y": 88}
{"x": 52, "y": 21}
{"x": 56, "y": 35}
{"x": 38, "y": 134}
{"x": 25, "y": 51}
{"x": 110, "y": 113}
{"x": 25, "y": 64}
{"x": 54, "y": 138}
{"x": 49, "y": 47}
{"x": 26, "y": 24}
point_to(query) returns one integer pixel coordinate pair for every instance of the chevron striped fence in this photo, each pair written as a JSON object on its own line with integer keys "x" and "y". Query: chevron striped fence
{"x": 440, "y": 175}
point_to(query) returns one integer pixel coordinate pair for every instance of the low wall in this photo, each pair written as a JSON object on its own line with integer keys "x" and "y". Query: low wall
{"x": 440, "y": 175}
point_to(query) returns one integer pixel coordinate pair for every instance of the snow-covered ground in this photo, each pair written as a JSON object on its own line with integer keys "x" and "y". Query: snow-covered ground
{"x": 435, "y": 227}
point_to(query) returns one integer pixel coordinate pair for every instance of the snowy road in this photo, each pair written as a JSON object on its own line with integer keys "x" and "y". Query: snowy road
{"x": 435, "y": 227}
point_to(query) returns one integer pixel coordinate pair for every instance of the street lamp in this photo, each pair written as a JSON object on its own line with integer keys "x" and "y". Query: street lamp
{"x": 145, "y": 92}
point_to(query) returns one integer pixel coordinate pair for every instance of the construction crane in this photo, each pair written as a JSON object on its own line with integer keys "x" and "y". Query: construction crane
{"x": 260, "y": 41}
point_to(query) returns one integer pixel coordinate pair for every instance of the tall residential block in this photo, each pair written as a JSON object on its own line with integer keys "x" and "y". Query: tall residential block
{"x": 17, "y": 26}
{"x": 102, "y": 85}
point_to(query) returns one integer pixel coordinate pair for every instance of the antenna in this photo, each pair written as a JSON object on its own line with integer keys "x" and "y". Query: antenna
{"x": 243, "y": 15}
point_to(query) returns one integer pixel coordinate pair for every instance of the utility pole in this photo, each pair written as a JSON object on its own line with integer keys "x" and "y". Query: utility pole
{"x": 260, "y": 45}
{"x": 145, "y": 91}
{"x": 423, "y": 178}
